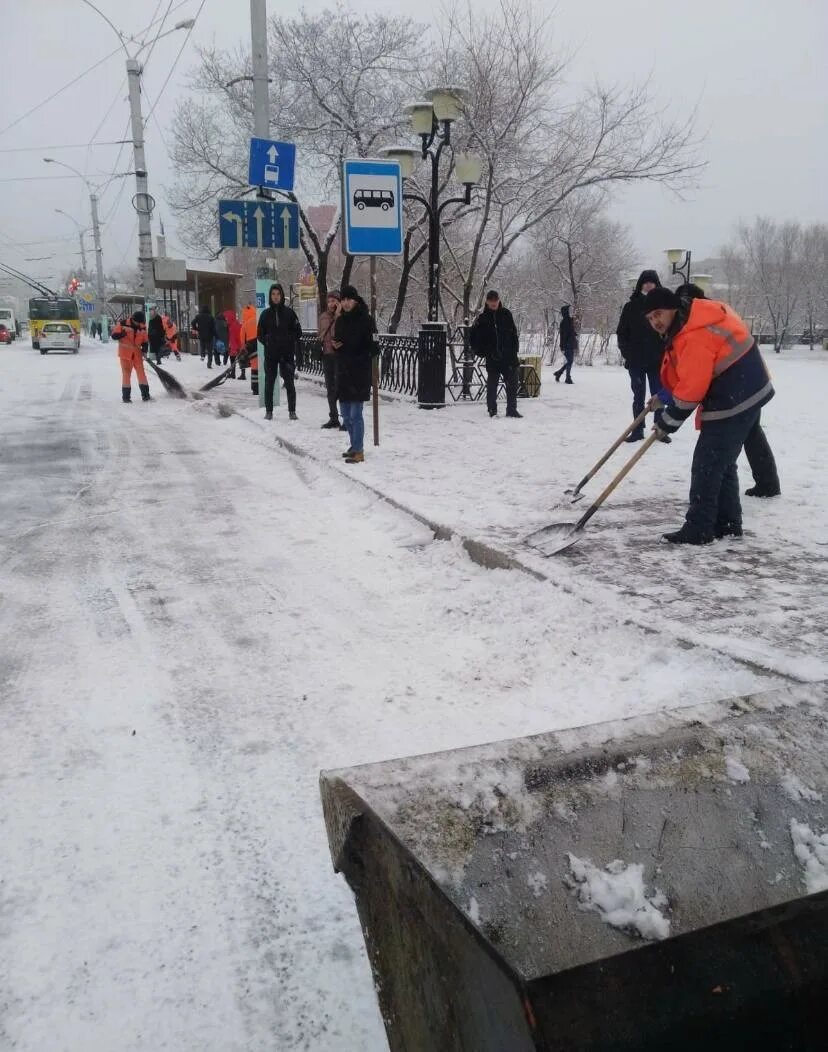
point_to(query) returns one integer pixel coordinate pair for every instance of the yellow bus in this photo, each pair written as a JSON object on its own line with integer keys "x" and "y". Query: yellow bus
{"x": 52, "y": 308}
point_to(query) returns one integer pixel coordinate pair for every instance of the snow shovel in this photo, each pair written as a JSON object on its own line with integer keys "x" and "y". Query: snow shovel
{"x": 242, "y": 360}
{"x": 575, "y": 494}
{"x": 169, "y": 382}
{"x": 550, "y": 540}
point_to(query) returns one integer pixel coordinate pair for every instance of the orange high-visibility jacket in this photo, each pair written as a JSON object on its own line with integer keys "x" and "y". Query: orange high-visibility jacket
{"x": 249, "y": 322}
{"x": 130, "y": 337}
{"x": 713, "y": 362}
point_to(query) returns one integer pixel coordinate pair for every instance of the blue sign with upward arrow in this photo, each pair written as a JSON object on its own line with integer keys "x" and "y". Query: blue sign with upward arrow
{"x": 272, "y": 164}
{"x": 258, "y": 224}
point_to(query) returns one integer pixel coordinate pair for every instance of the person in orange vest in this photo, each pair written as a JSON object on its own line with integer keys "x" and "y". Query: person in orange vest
{"x": 250, "y": 326}
{"x": 711, "y": 365}
{"x": 132, "y": 340}
{"x": 171, "y": 335}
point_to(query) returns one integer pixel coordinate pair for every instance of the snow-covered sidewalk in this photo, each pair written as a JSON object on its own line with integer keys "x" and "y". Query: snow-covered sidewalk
{"x": 763, "y": 599}
{"x": 193, "y": 623}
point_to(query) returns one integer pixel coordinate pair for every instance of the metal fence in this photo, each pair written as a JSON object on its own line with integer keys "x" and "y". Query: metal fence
{"x": 398, "y": 361}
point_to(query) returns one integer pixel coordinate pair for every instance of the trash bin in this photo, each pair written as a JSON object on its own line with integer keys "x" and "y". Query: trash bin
{"x": 530, "y": 376}
{"x": 648, "y": 884}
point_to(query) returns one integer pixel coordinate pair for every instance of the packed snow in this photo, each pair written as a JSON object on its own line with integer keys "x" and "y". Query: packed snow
{"x": 617, "y": 894}
{"x": 194, "y": 622}
{"x": 735, "y": 769}
{"x": 812, "y": 851}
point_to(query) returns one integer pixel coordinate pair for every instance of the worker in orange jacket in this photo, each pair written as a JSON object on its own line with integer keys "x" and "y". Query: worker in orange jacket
{"x": 132, "y": 339}
{"x": 250, "y": 326}
{"x": 171, "y": 335}
{"x": 711, "y": 365}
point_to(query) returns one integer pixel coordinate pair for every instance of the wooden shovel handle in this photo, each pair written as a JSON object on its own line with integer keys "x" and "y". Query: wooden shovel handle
{"x": 627, "y": 468}
{"x": 638, "y": 422}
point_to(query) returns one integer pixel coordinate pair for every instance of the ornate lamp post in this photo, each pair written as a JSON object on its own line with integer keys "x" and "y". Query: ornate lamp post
{"x": 674, "y": 255}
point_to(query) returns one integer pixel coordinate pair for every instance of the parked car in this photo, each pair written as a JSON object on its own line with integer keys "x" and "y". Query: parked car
{"x": 5, "y": 335}
{"x": 58, "y": 336}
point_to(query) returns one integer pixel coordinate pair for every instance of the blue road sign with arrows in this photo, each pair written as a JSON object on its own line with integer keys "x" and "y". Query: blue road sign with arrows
{"x": 258, "y": 224}
{"x": 372, "y": 208}
{"x": 272, "y": 164}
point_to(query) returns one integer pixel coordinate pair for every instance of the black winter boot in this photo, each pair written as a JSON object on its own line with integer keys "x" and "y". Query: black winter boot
{"x": 728, "y": 529}
{"x": 126, "y": 394}
{"x": 763, "y": 491}
{"x": 687, "y": 535}
{"x": 145, "y": 395}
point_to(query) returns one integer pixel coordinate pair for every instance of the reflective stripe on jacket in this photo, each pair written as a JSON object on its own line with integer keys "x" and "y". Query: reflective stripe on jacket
{"x": 713, "y": 361}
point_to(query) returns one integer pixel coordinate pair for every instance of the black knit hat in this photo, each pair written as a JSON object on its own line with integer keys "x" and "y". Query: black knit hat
{"x": 349, "y": 292}
{"x": 139, "y": 317}
{"x": 689, "y": 291}
{"x": 492, "y": 294}
{"x": 661, "y": 299}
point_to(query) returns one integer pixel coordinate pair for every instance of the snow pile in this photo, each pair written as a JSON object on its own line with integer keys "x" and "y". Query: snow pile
{"x": 812, "y": 852}
{"x": 537, "y": 882}
{"x": 617, "y": 895}
{"x": 736, "y": 770}
{"x": 797, "y": 790}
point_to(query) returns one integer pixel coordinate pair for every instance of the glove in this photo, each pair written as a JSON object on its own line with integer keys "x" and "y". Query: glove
{"x": 661, "y": 400}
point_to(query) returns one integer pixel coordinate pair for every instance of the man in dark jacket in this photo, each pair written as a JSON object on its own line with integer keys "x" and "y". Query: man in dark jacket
{"x": 155, "y": 334}
{"x": 494, "y": 337}
{"x": 204, "y": 325}
{"x": 280, "y": 332}
{"x": 569, "y": 345}
{"x": 354, "y": 340}
{"x": 641, "y": 348}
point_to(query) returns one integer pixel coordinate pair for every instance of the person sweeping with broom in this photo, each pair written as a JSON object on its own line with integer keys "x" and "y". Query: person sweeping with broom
{"x": 132, "y": 339}
{"x": 712, "y": 364}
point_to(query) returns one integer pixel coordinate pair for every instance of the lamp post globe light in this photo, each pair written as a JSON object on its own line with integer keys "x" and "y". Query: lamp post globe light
{"x": 704, "y": 281}
{"x": 431, "y": 119}
{"x": 682, "y": 256}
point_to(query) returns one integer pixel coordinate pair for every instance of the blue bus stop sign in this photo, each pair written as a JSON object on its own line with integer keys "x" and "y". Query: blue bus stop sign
{"x": 272, "y": 164}
{"x": 372, "y": 208}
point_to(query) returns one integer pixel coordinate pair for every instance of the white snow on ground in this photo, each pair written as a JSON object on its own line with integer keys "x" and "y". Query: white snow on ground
{"x": 797, "y": 790}
{"x": 193, "y": 623}
{"x": 617, "y": 894}
{"x": 734, "y": 768}
{"x": 812, "y": 851}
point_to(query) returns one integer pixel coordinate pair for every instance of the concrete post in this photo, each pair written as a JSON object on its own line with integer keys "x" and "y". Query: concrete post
{"x": 99, "y": 275}
{"x": 141, "y": 183}
{"x": 258, "y": 37}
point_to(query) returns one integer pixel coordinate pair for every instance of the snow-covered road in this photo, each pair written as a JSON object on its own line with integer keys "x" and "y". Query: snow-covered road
{"x": 193, "y": 623}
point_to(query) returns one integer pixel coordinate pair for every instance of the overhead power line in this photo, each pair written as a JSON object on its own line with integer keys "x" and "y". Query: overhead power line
{"x": 175, "y": 62}
{"x": 65, "y": 146}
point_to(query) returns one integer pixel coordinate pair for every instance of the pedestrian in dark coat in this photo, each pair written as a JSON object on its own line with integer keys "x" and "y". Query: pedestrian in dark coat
{"x": 280, "y": 332}
{"x": 155, "y": 334}
{"x": 758, "y": 451}
{"x": 204, "y": 325}
{"x": 494, "y": 337}
{"x": 569, "y": 345}
{"x": 641, "y": 347}
{"x": 354, "y": 341}
{"x": 222, "y": 340}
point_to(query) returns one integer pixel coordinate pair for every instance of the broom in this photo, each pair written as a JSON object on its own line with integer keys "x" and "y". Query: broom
{"x": 242, "y": 360}
{"x": 168, "y": 381}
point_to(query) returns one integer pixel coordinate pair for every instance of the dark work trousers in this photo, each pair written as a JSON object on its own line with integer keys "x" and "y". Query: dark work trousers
{"x": 494, "y": 371}
{"x": 329, "y": 369}
{"x": 569, "y": 358}
{"x": 207, "y": 348}
{"x": 714, "y": 481}
{"x": 639, "y": 378}
{"x": 249, "y": 351}
{"x": 760, "y": 457}
{"x": 275, "y": 364}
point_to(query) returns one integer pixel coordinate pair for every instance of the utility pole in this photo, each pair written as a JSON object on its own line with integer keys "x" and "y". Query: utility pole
{"x": 99, "y": 275}
{"x": 258, "y": 39}
{"x": 83, "y": 253}
{"x": 142, "y": 199}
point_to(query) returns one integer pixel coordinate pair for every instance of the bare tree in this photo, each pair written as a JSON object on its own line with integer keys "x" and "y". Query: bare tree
{"x": 814, "y": 275}
{"x": 339, "y": 83}
{"x": 539, "y": 148}
{"x": 773, "y": 257}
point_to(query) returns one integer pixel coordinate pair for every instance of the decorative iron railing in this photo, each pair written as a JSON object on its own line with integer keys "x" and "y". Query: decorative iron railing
{"x": 398, "y": 361}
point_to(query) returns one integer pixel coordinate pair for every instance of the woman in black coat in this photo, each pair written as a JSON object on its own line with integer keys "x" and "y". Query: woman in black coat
{"x": 354, "y": 340}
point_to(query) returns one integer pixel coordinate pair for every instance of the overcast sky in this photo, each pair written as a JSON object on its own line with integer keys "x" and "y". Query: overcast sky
{"x": 757, "y": 71}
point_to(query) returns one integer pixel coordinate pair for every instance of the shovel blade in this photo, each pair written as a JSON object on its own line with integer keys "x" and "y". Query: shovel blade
{"x": 555, "y": 538}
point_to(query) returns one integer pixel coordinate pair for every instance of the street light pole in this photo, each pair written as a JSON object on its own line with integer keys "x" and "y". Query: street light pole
{"x": 81, "y": 232}
{"x": 258, "y": 40}
{"x": 142, "y": 198}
